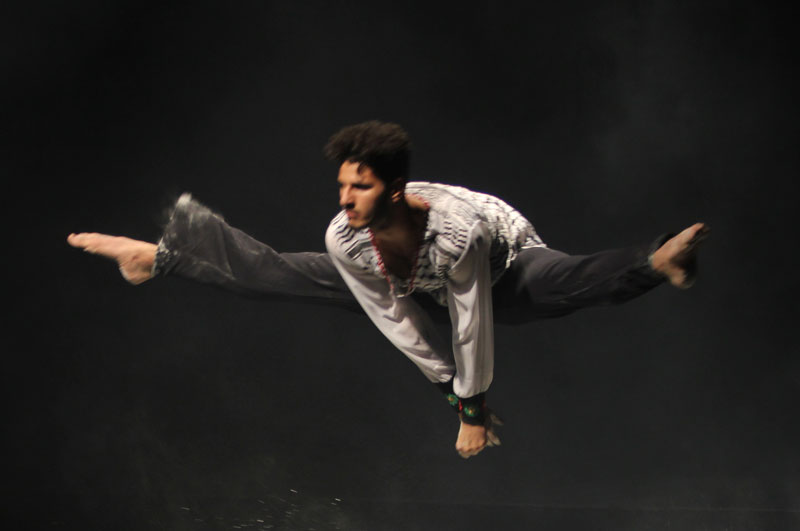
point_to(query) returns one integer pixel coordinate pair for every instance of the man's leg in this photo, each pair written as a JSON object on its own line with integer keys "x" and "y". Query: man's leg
{"x": 544, "y": 283}
{"x": 199, "y": 245}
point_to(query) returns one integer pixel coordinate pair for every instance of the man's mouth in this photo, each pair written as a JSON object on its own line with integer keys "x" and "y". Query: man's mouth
{"x": 351, "y": 213}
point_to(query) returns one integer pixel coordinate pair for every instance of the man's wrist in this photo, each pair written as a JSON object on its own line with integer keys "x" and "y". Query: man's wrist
{"x": 447, "y": 390}
{"x": 471, "y": 410}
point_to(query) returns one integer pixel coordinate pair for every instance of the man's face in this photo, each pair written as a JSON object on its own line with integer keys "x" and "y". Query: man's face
{"x": 362, "y": 195}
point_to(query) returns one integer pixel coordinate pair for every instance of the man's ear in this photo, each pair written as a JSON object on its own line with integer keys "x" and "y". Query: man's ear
{"x": 397, "y": 188}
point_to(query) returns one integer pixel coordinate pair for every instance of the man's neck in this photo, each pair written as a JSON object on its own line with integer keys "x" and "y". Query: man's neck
{"x": 404, "y": 225}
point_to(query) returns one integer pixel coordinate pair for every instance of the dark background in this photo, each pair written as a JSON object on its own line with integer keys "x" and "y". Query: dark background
{"x": 176, "y": 406}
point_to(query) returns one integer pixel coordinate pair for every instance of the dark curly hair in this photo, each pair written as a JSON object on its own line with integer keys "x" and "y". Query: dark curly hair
{"x": 384, "y": 147}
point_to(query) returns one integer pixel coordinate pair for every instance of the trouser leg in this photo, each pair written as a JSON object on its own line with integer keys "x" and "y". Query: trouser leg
{"x": 544, "y": 283}
{"x": 199, "y": 245}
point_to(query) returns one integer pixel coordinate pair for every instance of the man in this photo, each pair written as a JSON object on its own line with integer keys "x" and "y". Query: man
{"x": 404, "y": 252}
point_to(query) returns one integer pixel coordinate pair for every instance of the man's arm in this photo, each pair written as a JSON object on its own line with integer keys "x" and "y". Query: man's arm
{"x": 409, "y": 328}
{"x": 469, "y": 299}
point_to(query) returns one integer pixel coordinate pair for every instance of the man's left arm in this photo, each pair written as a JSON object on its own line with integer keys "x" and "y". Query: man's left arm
{"x": 469, "y": 298}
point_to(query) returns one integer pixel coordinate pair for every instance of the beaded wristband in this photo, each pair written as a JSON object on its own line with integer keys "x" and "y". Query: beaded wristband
{"x": 472, "y": 410}
{"x": 447, "y": 390}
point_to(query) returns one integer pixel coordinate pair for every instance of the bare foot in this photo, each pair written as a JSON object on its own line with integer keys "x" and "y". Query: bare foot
{"x": 135, "y": 257}
{"x": 677, "y": 258}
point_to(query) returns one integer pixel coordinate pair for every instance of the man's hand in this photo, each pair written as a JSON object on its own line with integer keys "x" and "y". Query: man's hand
{"x": 472, "y": 439}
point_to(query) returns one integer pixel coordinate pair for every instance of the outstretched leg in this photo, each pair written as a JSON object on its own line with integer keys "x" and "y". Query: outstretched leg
{"x": 199, "y": 245}
{"x": 543, "y": 283}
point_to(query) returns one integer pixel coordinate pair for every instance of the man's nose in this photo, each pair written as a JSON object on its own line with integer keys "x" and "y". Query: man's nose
{"x": 344, "y": 197}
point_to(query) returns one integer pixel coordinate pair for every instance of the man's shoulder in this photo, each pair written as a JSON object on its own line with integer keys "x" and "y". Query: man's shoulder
{"x": 450, "y": 196}
{"x": 338, "y": 222}
{"x": 437, "y": 188}
{"x": 338, "y": 230}
{"x": 344, "y": 242}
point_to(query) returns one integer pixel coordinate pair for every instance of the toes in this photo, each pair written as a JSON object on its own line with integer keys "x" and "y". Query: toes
{"x": 695, "y": 234}
{"x": 81, "y": 241}
{"x": 74, "y": 239}
{"x": 701, "y": 233}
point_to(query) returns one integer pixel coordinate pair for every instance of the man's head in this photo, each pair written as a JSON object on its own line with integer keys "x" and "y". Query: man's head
{"x": 373, "y": 162}
{"x": 384, "y": 147}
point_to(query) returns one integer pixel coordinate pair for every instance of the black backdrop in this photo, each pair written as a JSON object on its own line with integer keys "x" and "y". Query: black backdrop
{"x": 177, "y": 406}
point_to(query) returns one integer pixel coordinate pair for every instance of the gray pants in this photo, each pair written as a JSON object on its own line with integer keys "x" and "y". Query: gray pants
{"x": 199, "y": 245}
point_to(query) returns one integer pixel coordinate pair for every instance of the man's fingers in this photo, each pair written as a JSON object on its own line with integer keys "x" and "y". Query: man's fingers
{"x": 467, "y": 454}
{"x": 495, "y": 420}
{"x": 75, "y": 240}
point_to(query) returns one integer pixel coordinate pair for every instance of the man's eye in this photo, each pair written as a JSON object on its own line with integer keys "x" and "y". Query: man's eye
{"x": 362, "y": 186}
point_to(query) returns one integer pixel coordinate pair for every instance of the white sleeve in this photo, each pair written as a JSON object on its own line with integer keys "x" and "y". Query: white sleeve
{"x": 469, "y": 299}
{"x": 400, "y": 319}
